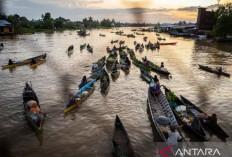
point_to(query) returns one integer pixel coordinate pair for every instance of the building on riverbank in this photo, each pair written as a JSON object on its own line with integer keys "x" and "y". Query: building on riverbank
{"x": 6, "y": 27}
{"x": 205, "y": 19}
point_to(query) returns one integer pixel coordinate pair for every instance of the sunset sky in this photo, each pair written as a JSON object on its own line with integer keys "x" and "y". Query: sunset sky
{"x": 121, "y": 10}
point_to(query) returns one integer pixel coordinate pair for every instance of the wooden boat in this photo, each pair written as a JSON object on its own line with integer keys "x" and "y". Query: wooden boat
{"x": 140, "y": 64}
{"x": 80, "y": 96}
{"x": 121, "y": 42}
{"x": 100, "y": 63}
{"x": 115, "y": 72}
{"x": 123, "y": 65}
{"x": 24, "y": 62}
{"x": 159, "y": 109}
{"x": 104, "y": 82}
{"x": 196, "y": 110}
{"x": 216, "y": 71}
{"x": 111, "y": 59}
{"x": 146, "y": 76}
{"x": 82, "y": 46}
{"x": 94, "y": 76}
{"x": 113, "y": 41}
{"x": 70, "y": 49}
{"x": 102, "y": 35}
{"x": 187, "y": 118}
{"x": 173, "y": 43}
{"x": 156, "y": 68}
{"x": 28, "y": 95}
{"x": 39, "y": 62}
{"x": 121, "y": 141}
{"x": 90, "y": 49}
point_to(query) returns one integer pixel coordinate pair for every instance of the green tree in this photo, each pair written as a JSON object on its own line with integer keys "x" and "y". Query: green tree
{"x": 223, "y": 20}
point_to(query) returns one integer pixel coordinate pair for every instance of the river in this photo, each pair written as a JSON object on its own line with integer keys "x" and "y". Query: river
{"x": 88, "y": 130}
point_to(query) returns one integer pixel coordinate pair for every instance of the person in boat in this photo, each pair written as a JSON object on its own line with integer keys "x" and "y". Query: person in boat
{"x": 162, "y": 65}
{"x": 155, "y": 78}
{"x": 212, "y": 121}
{"x": 35, "y": 112}
{"x": 114, "y": 47}
{"x": 220, "y": 69}
{"x": 128, "y": 62}
{"x": 142, "y": 46}
{"x": 145, "y": 59}
{"x": 84, "y": 81}
{"x": 1, "y": 45}
{"x": 120, "y": 48}
{"x": 173, "y": 136}
{"x": 33, "y": 61}
{"x": 10, "y": 62}
{"x": 156, "y": 88}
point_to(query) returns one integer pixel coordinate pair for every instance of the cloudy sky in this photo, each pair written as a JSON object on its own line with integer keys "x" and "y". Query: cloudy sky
{"x": 121, "y": 10}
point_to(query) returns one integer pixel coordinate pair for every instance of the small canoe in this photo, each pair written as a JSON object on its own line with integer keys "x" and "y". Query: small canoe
{"x": 146, "y": 76}
{"x": 115, "y": 72}
{"x": 156, "y": 68}
{"x": 80, "y": 96}
{"x": 111, "y": 59}
{"x": 82, "y": 46}
{"x": 121, "y": 42}
{"x": 95, "y": 76}
{"x": 173, "y": 43}
{"x": 104, "y": 82}
{"x": 196, "y": 110}
{"x": 140, "y": 64}
{"x": 28, "y": 95}
{"x": 102, "y": 35}
{"x": 181, "y": 112}
{"x": 113, "y": 41}
{"x": 90, "y": 49}
{"x": 100, "y": 64}
{"x": 216, "y": 71}
{"x": 38, "y": 63}
{"x": 121, "y": 141}
{"x": 24, "y": 62}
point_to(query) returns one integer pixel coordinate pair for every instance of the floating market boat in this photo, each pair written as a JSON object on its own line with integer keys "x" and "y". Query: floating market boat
{"x": 99, "y": 64}
{"x": 104, "y": 82}
{"x": 90, "y": 49}
{"x": 70, "y": 50}
{"x": 216, "y": 71}
{"x": 39, "y": 62}
{"x": 161, "y": 115}
{"x": 155, "y": 67}
{"x": 121, "y": 141}
{"x": 173, "y": 43}
{"x": 82, "y": 46}
{"x": 140, "y": 64}
{"x": 29, "y": 96}
{"x": 115, "y": 72}
{"x": 146, "y": 76}
{"x": 80, "y": 96}
{"x": 114, "y": 41}
{"x": 184, "y": 114}
{"x": 196, "y": 110}
{"x": 23, "y": 62}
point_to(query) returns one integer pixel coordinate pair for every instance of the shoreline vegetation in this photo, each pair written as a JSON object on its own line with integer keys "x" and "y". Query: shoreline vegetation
{"x": 48, "y": 24}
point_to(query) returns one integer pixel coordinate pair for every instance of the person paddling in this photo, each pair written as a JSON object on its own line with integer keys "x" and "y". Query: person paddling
{"x": 33, "y": 61}
{"x": 10, "y": 62}
{"x": 173, "y": 136}
{"x": 162, "y": 65}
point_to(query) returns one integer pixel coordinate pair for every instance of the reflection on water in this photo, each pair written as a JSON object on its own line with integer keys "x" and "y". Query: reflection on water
{"x": 88, "y": 130}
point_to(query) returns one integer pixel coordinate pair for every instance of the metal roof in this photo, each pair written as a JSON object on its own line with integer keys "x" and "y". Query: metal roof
{"x": 4, "y": 23}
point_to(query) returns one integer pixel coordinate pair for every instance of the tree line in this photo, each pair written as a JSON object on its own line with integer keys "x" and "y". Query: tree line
{"x": 46, "y": 22}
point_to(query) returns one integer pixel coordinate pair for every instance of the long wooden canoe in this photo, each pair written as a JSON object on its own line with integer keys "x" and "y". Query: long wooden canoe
{"x": 196, "y": 110}
{"x": 173, "y": 43}
{"x": 24, "y": 62}
{"x": 187, "y": 118}
{"x": 28, "y": 95}
{"x": 159, "y": 109}
{"x": 140, "y": 64}
{"x": 79, "y": 97}
{"x": 216, "y": 71}
{"x": 104, "y": 82}
{"x": 146, "y": 76}
{"x": 100, "y": 63}
{"x": 156, "y": 68}
{"x": 39, "y": 62}
{"x": 121, "y": 141}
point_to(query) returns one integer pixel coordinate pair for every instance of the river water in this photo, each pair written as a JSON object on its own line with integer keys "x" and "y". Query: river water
{"x": 88, "y": 130}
